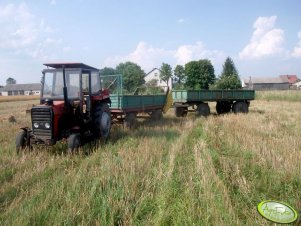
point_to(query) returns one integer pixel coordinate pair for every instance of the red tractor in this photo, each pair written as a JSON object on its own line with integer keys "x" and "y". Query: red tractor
{"x": 72, "y": 106}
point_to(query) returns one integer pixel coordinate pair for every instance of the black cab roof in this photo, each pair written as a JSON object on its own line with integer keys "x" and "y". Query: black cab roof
{"x": 70, "y": 65}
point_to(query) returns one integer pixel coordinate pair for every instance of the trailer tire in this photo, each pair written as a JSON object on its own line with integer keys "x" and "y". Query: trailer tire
{"x": 74, "y": 142}
{"x": 223, "y": 107}
{"x": 21, "y": 141}
{"x": 181, "y": 111}
{"x": 202, "y": 110}
{"x": 240, "y": 107}
{"x": 130, "y": 120}
{"x": 157, "y": 115}
{"x": 102, "y": 121}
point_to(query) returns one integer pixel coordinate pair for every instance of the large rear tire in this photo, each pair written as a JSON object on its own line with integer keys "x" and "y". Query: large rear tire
{"x": 102, "y": 121}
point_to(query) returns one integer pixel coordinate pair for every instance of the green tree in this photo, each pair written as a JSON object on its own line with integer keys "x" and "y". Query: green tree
{"x": 165, "y": 73}
{"x": 200, "y": 74}
{"x": 133, "y": 75}
{"x": 179, "y": 73}
{"x": 11, "y": 81}
{"x": 229, "y": 78}
{"x": 107, "y": 71}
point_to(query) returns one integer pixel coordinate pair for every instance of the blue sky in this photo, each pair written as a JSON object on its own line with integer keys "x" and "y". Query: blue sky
{"x": 262, "y": 37}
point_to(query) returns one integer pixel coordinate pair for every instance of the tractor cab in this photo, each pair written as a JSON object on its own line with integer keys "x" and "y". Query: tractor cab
{"x": 73, "y": 106}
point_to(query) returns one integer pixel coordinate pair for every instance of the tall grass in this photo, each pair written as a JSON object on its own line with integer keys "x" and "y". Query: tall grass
{"x": 279, "y": 95}
{"x": 189, "y": 171}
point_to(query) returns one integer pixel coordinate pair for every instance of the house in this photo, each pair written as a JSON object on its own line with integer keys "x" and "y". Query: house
{"x": 21, "y": 89}
{"x": 267, "y": 83}
{"x": 292, "y": 79}
{"x": 1, "y": 89}
{"x": 153, "y": 78}
{"x": 297, "y": 85}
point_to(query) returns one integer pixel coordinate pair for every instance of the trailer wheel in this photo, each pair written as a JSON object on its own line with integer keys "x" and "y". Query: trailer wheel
{"x": 21, "y": 141}
{"x": 102, "y": 121}
{"x": 74, "y": 142}
{"x": 223, "y": 107}
{"x": 130, "y": 120}
{"x": 240, "y": 107}
{"x": 157, "y": 115}
{"x": 202, "y": 110}
{"x": 181, "y": 111}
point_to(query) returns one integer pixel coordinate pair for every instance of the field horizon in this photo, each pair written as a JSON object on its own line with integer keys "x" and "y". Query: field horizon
{"x": 178, "y": 171}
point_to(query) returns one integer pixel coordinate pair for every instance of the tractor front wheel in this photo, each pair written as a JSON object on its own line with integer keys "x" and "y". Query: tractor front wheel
{"x": 21, "y": 141}
{"x": 74, "y": 142}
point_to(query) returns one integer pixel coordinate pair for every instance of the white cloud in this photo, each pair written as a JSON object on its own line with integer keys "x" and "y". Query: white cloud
{"x": 149, "y": 57}
{"x": 22, "y": 33}
{"x": 186, "y": 53}
{"x": 297, "y": 50}
{"x": 266, "y": 40}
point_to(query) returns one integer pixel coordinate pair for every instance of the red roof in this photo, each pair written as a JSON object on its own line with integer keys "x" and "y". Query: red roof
{"x": 291, "y": 78}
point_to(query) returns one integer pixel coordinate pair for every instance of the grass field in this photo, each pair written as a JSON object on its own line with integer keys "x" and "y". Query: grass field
{"x": 191, "y": 171}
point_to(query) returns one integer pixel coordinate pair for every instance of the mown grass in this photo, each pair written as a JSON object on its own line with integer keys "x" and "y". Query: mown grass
{"x": 190, "y": 171}
{"x": 18, "y": 98}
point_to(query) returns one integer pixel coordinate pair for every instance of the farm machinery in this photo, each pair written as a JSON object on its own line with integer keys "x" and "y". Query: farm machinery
{"x": 73, "y": 107}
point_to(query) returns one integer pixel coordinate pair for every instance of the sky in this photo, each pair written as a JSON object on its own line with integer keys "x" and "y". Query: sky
{"x": 263, "y": 37}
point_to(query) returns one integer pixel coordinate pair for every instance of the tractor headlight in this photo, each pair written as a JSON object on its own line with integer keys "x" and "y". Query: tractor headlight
{"x": 36, "y": 125}
{"x": 47, "y": 125}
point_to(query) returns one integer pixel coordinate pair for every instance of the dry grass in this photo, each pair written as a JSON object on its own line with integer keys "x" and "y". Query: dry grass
{"x": 17, "y": 98}
{"x": 211, "y": 171}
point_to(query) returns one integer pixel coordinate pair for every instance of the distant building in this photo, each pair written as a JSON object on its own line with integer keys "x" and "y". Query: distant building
{"x": 292, "y": 79}
{"x": 21, "y": 89}
{"x": 267, "y": 83}
{"x": 154, "y": 77}
{"x": 1, "y": 89}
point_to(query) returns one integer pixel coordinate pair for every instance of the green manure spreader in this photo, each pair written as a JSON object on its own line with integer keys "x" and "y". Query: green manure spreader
{"x": 143, "y": 102}
{"x": 237, "y": 101}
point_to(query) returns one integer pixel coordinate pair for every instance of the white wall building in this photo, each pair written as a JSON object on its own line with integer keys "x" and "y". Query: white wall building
{"x": 21, "y": 89}
{"x": 155, "y": 75}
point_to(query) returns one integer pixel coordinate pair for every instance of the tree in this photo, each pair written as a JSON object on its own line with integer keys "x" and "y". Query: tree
{"x": 179, "y": 73}
{"x": 200, "y": 74}
{"x": 133, "y": 75}
{"x": 10, "y": 81}
{"x": 107, "y": 71}
{"x": 229, "y": 78}
{"x": 165, "y": 73}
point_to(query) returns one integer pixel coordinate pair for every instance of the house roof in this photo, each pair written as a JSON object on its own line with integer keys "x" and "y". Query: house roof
{"x": 267, "y": 80}
{"x": 150, "y": 72}
{"x": 22, "y": 87}
{"x": 291, "y": 78}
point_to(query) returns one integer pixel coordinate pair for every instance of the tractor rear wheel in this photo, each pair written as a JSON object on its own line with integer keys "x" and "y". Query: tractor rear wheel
{"x": 102, "y": 121}
{"x": 203, "y": 110}
{"x": 21, "y": 141}
{"x": 74, "y": 142}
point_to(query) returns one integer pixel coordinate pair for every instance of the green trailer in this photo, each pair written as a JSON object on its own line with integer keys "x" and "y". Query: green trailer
{"x": 237, "y": 101}
{"x": 143, "y": 102}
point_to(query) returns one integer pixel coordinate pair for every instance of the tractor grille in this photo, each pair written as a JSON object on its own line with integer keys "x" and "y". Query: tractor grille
{"x": 42, "y": 118}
